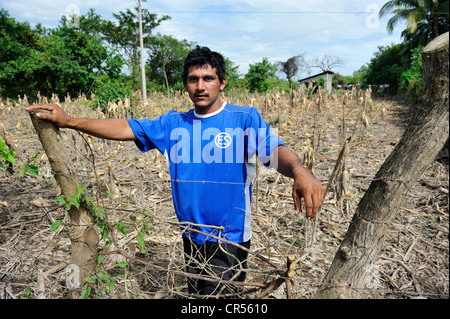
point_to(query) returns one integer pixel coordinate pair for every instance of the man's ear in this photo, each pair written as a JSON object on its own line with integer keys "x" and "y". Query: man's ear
{"x": 223, "y": 84}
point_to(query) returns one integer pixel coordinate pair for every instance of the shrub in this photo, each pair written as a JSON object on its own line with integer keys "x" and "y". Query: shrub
{"x": 411, "y": 80}
{"x": 112, "y": 91}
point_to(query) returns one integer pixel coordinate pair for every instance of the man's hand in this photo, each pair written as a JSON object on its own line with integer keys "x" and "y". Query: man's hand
{"x": 112, "y": 129}
{"x": 306, "y": 186}
{"x": 311, "y": 190}
{"x": 57, "y": 115}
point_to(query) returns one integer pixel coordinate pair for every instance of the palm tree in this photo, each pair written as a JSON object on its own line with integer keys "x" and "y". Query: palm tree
{"x": 425, "y": 19}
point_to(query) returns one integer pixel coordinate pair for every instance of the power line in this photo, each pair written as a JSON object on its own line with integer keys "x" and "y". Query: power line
{"x": 271, "y": 12}
{"x": 259, "y": 12}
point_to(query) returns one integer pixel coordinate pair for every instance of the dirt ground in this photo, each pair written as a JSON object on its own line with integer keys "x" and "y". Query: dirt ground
{"x": 414, "y": 262}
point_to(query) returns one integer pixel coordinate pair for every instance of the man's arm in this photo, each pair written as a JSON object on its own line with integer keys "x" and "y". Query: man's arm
{"x": 113, "y": 129}
{"x": 306, "y": 186}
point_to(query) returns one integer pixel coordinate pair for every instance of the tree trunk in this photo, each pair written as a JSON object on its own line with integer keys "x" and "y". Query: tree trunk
{"x": 83, "y": 234}
{"x": 425, "y": 136}
{"x": 166, "y": 79}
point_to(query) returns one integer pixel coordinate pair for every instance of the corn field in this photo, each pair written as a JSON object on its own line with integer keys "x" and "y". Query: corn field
{"x": 342, "y": 138}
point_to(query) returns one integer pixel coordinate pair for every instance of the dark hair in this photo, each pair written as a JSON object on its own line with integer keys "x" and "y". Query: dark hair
{"x": 203, "y": 56}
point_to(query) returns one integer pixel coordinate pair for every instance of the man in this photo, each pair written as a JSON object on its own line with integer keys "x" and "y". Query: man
{"x": 211, "y": 154}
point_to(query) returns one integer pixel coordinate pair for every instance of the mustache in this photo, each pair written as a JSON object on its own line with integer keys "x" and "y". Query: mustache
{"x": 201, "y": 94}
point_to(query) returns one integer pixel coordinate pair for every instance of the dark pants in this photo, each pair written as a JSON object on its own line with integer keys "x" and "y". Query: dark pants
{"x": 221, "y": 261}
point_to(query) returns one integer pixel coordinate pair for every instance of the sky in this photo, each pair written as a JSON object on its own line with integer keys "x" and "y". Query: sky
{"x": 246, "y": 31}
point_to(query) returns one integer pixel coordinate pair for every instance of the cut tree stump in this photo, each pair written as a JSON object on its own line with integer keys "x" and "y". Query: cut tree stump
{"x": 352, "y": 267}
{"x": 82, "y": 231}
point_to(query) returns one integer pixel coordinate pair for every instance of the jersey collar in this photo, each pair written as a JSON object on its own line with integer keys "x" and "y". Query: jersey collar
{"x": 204, "y": 116}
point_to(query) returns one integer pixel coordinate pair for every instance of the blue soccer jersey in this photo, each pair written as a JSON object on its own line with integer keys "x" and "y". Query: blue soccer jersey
{"x": 212, "y": 160}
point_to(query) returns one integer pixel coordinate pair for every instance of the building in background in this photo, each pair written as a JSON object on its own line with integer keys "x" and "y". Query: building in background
{"x": 311, "y": 81}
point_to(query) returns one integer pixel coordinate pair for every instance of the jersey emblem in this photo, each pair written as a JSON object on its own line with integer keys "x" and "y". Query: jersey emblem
{"x": 223, "y": 140}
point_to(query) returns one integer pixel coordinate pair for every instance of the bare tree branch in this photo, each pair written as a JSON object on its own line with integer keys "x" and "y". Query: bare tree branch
{"x": 327, "y": 62}
{"x": 291, "y": 67}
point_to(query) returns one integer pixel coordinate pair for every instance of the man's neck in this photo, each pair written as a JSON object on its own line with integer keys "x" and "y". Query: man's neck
{"x": 207, "y": 110}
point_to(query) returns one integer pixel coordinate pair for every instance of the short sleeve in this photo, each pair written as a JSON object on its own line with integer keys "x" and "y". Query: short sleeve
{"x": 261, "y": 139}
{"x": 150, "y": 134}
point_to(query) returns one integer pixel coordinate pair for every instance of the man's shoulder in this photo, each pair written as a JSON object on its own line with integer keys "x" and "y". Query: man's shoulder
{"x": 173, "y": 113}
{"x": 231, "y": 108}
{"x": 175, "y": 117}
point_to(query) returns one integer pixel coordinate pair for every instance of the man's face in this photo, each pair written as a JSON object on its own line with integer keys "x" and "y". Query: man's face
{"x": 203, "y": 86}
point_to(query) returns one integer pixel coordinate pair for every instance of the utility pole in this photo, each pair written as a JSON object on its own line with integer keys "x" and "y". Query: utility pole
{"x": 144, "y": 86}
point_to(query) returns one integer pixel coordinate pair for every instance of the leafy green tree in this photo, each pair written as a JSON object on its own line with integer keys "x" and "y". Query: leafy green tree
{"x": 425, "y": 19}
{"x": 259, "y": 75}
{"x": 411, "y": 80}
{"x": 386, "y": 66}
{"x": 77, "y": 56}
{"x": 166, "y": 58}
{"x": 123, "y": 34}
{"x": 233, "y": 76}
{"x": 357, "y": 75}
{"x": 18, "y": 55}
{"x": 64, "y": 60}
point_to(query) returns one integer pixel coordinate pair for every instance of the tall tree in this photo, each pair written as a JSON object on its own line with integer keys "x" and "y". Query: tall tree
{"x": 387, "y": 66}
{"x": 166, "y": 58}
{"x": 18, "y": 50}
{"x": 292, "y": 66}
{"x": 327, "y": 62}
{"x": 258, "y": 75}
{"x": 425, "y": 19}
{"x": 124, "y": 34}
{"x": 79, "y": 55}
{"x": 233, "y": 76}
{"x": 61, "y": 60}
